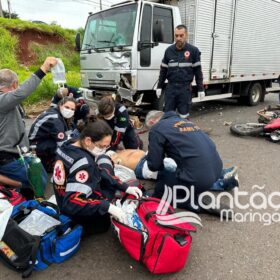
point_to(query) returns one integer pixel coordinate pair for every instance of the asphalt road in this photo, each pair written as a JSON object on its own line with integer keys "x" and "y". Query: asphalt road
{"x": 220, "y": 250}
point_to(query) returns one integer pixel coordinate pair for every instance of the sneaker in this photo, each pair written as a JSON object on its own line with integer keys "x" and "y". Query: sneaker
{"x": 229, "y": 172}
{"x": 226, "y": 184}
{"x": 231, "y": 182}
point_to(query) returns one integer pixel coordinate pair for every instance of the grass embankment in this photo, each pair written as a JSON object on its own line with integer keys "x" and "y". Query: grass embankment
{"x": 10, "y": 44}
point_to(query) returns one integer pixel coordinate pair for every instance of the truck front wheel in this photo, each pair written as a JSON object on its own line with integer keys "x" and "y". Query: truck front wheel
{"x": 254, "y": 95}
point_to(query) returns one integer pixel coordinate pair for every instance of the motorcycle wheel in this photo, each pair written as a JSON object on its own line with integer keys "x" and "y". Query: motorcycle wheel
{"x": 246, "y": 129}
{"x": 275, "y": 136}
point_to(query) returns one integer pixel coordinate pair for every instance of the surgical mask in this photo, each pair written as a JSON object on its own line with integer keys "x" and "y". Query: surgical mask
{"x": 97, "y": 151}
{"x": 110, "y": 117}
{"x": 67, "y": 113}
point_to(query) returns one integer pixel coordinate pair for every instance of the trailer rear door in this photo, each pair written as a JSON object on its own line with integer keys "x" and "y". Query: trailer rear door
{"x": 222, "y": 39}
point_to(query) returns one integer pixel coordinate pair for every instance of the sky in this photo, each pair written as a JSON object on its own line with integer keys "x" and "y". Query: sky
{"x": 66, "y": 13}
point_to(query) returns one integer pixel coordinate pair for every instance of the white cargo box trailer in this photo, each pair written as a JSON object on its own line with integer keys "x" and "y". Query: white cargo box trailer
{"x": 239, "y": 42}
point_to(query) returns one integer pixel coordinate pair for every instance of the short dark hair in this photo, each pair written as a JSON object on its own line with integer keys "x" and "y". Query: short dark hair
{"x": 106, "y": 105}
{"x": 182, "y": 26}
{"x": 96, "y": 131}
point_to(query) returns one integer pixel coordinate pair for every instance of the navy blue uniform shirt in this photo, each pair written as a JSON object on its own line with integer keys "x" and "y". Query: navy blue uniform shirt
{"x": 198, "y": 162}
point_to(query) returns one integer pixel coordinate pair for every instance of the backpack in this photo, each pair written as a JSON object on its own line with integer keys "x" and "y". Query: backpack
{"x": 161, "y": 248}
{"x": 11, "y": 195}
{"x": 32, "y": 252}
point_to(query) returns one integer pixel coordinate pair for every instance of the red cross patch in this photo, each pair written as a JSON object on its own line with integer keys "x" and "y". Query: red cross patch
{"x": 60, "y": 135}
{"x": 187, "y": 54}
{"x": 82, "y": 176}
{"x": 59, "y": 173}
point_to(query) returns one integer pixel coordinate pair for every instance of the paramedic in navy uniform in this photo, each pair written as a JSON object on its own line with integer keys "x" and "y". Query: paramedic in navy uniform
{"x": 198, "y": 162}
{"x": 180, "y": 64}
{"x": 84, "y": 181}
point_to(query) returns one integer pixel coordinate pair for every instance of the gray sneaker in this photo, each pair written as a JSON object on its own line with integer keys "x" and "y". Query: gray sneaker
{"x": 229, "y": 172}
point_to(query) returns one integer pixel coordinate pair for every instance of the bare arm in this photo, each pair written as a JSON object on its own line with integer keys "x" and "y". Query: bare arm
{"x": 10, "y": 182}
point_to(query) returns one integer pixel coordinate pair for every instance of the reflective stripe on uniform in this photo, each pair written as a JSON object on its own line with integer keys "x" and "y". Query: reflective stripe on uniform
{"x": 196, "y": 64}
{"x": 78, "y": 187}
{"x": 164, "y": 65}
{"x": 172, "y": 64}
{"x": 120, "y": 129}
{"x": 185, "y": 64}
{"x": 184, "y": 116}
{"x": 78, "y": 164}
{"x": 122, "y": 109}
{"x": 64, "y": 156}
{"x": 40, "y": 123}
{"x": 60, "y": 143}
{"x": 104, "y": 160}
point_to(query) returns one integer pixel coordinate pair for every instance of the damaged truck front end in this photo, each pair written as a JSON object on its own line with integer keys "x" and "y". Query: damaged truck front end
{"x": 106, "y": 55}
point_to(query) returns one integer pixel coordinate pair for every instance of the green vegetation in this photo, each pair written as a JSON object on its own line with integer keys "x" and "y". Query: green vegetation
{"x": 64, "y": 51}
{"x": 21, "y": 25}
{"x": 47, "y": 88}
{"x": 9, "y": 45}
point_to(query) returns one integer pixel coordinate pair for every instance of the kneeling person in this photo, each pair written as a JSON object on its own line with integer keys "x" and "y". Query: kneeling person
{"x": 84, "y": 181}
{"x": 136, "y": 160}
{"x": 198, "y": 162}
{"x": 51, "y": 129}
{"x": 117, "y": 117}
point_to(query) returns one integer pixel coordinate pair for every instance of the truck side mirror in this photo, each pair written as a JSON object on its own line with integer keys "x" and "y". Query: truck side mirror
{"x": 158, "y": 30}
{"x": 78, "y": 42}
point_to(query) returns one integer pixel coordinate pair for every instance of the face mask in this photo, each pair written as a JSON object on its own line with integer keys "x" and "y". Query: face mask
{"x": 97, "y": 151}
{"x": 110, "y": 117}
{"x": 67, "y": 113}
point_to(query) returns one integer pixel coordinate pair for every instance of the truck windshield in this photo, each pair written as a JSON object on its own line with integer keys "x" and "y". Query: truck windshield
{"x": 111, "y": 28}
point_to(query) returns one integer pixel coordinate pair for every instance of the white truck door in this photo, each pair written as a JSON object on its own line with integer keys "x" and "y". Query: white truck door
{"x": 153, "y": 17}
{"x": 222, "y": 38}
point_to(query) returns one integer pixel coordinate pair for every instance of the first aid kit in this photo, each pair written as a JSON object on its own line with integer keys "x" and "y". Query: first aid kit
{"x": 161, "y": 247}
{"x": 36, "y": 236}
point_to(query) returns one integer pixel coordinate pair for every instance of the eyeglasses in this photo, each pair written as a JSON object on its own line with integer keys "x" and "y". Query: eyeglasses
{"x": 101, "y": 146}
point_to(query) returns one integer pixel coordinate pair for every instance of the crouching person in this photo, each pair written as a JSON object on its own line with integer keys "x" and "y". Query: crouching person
{"x": 51, "y": 129}
{"x": 82, "y": 109}
{"x": 116, "y": 116}
{"x": 84, "y": 181}
{"x": 198, "y": 162}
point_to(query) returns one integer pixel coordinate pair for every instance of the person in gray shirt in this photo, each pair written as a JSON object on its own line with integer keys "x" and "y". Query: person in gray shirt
{"x": 12, "y": 126}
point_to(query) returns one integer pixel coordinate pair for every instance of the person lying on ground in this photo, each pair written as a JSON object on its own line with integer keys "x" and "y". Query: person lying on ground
{"x": 136, "y": 160}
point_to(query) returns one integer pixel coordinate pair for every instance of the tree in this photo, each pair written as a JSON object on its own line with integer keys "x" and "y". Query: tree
{"x": 6, "y": 15}
{"x": 1, "y": 10}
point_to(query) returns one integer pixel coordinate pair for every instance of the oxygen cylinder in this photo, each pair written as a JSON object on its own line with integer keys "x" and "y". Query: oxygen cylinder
{"x": 35, "y": 171}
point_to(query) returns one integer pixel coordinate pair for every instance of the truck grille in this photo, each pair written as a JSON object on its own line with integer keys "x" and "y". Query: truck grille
{"x": 93, "y": 82}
